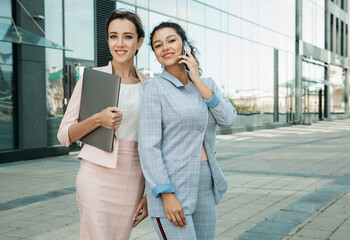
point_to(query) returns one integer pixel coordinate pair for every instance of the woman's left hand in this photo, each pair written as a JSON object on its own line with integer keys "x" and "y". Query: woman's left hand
{"x": 141, "y": 211}
{"x": 192, "y": 65}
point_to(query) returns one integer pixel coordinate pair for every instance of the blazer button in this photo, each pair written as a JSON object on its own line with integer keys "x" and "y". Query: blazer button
{"x": 201, "y": 129}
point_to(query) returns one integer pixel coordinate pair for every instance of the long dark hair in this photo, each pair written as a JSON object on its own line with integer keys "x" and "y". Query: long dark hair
{"x": 181, "y": 32}
{"x": 132, "y": 17}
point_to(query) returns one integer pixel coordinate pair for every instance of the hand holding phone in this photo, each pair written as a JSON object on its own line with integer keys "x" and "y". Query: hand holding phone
{"x": 190, "y": 62}
{"x": 185, "y": 46}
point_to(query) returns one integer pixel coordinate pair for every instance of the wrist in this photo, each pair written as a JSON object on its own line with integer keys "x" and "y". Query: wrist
{"x": 166, "y": 195}
{"x": 96, "y": 120}
{"x": 196, "y": 80}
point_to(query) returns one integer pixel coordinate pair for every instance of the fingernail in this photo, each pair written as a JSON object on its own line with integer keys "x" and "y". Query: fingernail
{"x": 133, "y": 218}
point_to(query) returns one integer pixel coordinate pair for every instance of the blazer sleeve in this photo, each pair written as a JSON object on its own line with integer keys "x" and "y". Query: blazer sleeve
{"x": 149, "y": 141}
{"x": 221, "y": 108}
{"x": 71, "y": 115}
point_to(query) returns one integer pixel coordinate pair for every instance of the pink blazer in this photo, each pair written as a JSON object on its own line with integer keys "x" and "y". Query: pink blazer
{"x": 71, "y": 116}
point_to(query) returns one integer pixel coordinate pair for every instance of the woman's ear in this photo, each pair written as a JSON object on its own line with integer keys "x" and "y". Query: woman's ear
{"x": 139, "y": 43}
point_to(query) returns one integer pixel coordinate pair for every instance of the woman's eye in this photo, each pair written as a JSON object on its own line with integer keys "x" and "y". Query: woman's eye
{"x": 112, "y": 36}
{"x": 172, "y": 40}
{"x": 128, "y": 37}
{"x": 157, "y": 46}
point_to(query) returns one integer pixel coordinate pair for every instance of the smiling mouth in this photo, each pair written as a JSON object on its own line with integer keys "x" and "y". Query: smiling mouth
{"x": 168, "y": 55}
{"x": 120, "y": 52}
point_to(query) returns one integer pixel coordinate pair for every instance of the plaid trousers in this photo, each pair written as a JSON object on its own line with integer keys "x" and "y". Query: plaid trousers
{"x": 202, "y": 223}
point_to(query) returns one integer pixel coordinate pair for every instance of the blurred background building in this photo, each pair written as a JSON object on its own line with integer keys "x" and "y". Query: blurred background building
{"x": 283, "y": 62}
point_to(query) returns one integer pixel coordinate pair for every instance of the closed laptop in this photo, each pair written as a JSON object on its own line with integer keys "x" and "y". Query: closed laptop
{"x": 100, "y": 90}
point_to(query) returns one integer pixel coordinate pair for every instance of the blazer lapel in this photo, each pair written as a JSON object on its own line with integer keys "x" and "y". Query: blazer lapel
{"x": 168, "y": 76}
{"x": 141, "y": 76}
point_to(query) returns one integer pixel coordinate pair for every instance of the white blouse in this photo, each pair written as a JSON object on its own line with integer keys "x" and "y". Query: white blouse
{"x": 130, "y": 97}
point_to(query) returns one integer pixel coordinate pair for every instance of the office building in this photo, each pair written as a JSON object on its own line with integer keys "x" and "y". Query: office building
{"x": 279, "y": 62}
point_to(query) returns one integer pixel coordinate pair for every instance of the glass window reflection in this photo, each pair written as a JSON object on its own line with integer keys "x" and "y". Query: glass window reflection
{"x": 196, "y": 34}
{"x": 196, "y": 12}
{"x": 128, "y": 7}
{"x": 213, "y": 55}
{"x": 54, "y": 69}
{"x": 212, "y": 19}
{"x": 336, "y": 90}
{"x": 7, "y": 87}
{"x": 166, "y": 7}
{"x": 79, "y": 28}
{"x": 143, "y": 55}
{"x": 7, "y": 138}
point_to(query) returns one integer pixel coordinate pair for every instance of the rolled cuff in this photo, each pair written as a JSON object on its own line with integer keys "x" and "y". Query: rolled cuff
{"x": 63, "y": 135}
{"x": 162, "y": 188}
{"x": 213, "y": 101}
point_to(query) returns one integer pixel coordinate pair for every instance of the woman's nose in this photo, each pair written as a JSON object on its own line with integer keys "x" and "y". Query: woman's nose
{"x": 120, "y": 42}
{"x": 166, "y": 46}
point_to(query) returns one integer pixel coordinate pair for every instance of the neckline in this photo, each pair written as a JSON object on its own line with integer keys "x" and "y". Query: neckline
{"x": 130, "y": 84}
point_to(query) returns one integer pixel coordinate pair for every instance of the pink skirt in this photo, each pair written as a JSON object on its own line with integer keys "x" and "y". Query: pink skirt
{"x": 107, "y": 198}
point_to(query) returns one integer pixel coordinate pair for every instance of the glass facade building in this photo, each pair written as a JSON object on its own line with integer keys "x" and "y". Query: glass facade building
{"x": 279, "y": 62}
{"x": 7, "y": 86}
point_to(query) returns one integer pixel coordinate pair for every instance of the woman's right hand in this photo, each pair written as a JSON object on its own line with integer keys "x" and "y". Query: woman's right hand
{"x": 173, "y": 209}
{"x": 110, "y": 118}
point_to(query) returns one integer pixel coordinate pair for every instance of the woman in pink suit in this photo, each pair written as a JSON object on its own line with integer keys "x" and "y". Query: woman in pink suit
{"x": 110, "y": 186}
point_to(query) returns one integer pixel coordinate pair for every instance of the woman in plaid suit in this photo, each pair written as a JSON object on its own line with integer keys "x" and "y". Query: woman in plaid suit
{"x": 179, "y": 112}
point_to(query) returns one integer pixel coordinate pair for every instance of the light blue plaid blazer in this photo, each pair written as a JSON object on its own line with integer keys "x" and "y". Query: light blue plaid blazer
{"x": 174, "y": 122}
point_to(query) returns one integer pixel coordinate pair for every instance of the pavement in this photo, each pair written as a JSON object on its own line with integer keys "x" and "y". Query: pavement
{"x": 285, "y": 183}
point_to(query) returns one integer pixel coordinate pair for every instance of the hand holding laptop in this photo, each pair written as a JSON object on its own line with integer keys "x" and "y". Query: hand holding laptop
{"x": 110, "y": 118}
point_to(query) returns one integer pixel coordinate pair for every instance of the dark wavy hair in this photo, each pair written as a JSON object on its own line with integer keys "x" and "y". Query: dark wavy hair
{"x": 132, "y": 17}
{"x": 178, "y": 29}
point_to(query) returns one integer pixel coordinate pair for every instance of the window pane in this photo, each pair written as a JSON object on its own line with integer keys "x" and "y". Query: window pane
{"x": 266, "y": 13}
{"x": 234, "y": 25}
{"x": 196, "y": 34}
{"x": 319, "y": 28}
{"x": 283, "y": 85}
{"x": 125, "y": 6}
{"x": 212, "y": 19}
{"x": 145, "y": 50}
{"x": 213, "y": 55}
{"x": 336, "y": 90}
{"x": 6, "y": 102}
{"x": 234, "y": 7}
{"x": 247, "y": 30}
{"x": 182, "y": 9}
{"x": 249, "y": 10}
{"x": 7, "y": 88}
{"x": 264, "y": 82}
{"x": 165, "y": 7}
{"x": 224, "y": 22}
{"x": 130, "y": 1}
{"x": 196, "y": 13}
{"x": 6, "y": 9}
{"x": 79, "y": 28}
{"x": 54, "y": 69}
{"x": 224, "y": 65}
{"x": 235, "y": 79}
{"x": 142, "y": 3}
{"x": 307, "y": 21}
{"x": 214, "y": 3}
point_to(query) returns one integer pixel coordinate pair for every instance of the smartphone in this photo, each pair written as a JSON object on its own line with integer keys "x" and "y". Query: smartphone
{"x": 185, "y": 46}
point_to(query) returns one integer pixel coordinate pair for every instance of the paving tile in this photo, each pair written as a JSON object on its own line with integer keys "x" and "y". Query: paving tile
{"x": 268, "y": 171}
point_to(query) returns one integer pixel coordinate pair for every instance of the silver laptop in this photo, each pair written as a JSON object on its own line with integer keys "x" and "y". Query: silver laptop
{"x": 100, "y": 90}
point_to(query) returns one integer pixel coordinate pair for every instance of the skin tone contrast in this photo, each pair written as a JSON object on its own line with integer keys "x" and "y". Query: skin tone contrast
{"x": 123, "y": 43}
{"x": 167, "y": 45}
